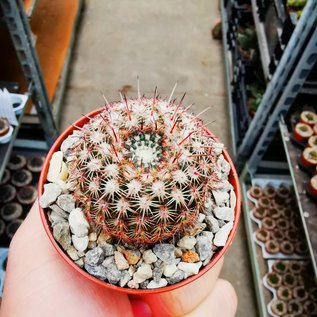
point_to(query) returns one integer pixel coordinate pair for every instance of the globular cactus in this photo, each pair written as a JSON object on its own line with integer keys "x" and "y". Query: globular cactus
{"x": 142, "y": 169}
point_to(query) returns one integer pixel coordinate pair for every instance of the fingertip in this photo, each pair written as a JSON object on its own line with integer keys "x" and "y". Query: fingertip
{"x": 140, "y": 308}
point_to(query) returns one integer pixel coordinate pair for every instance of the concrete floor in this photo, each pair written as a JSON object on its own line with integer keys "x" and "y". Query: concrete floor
{"x": 163, "y": 42}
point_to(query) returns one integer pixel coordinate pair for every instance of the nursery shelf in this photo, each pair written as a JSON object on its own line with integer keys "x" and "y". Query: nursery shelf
{"x": 5, "y": 149}
{"x": 307, "y": 206}
{"x": 29, "y": 6}
{"x": 257, "y": 262}
{"x": 262, "y": 40}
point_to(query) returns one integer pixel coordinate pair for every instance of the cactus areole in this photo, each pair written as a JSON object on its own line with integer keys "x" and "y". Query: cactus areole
{"x": 142, "y": 169}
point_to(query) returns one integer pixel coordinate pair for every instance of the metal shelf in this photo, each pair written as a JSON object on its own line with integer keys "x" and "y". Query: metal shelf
{"x": 281, "y": 12}
{"x": 307, "y": 206}
{"x": 296, "y": 49}
{"x": 5, "y": 149}
{"x": 262, "y": 40}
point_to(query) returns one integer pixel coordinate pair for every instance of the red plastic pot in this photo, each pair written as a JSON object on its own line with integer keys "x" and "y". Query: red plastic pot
{"x": 302, "y": 132}
{"x": 305, "y": 160}
{"x": 233, "y": 179}
{"x": 308, "y": 117}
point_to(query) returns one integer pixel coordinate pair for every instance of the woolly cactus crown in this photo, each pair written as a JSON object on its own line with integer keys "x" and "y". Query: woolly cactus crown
{"x": 142, "y": 169}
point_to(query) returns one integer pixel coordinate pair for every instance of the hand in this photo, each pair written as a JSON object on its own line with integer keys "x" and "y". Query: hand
{"x": 40, "y": 283}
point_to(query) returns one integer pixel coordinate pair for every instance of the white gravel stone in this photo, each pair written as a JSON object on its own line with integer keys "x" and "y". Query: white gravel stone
{"x": 66, "y": 202}
{"x": 112, "y": 273}
{"x": 224, "y": 213}
{"x": 121, "y": 262}
{"x": 63, "y": 185}
{"x": 108, "y": 249}
{"x": 125, "y": 278}
{"x": 61, "y": 234}
{"x": 69, "y": 142}
{"x": 203, "y": 247}
{"x": 222, "y": 235}
{"x": 212, "y": 224}
{"x": 72, "y": 252}
{"x": 224, "y": 166}
{"x": 98, "y": 271}
{"x": 201, "y": 217}
{"x": 59, "y": 211}
{"x": 149, "y": 257}
{"x": 189, "y": 268}
{"x": 143, "y": 273}
{"x": 187, "y": 242}
{"x": 221, "y": 197}
{"x": 78, "y": 223}
{"x": 177, "y": 277}
{"x": 51, "y": 192}
{"x": 133, "y": 284}
{"x": 165, "y": 252}
{"x": 92, "y": 236}
{"x": 55, "y": 218}
{"x": 81, "y": 243}
{"x": 108, "y": 260}
{"x": 161, "y": 283}
{"x": 169, "y": 269}
{"x": 131, "y": 270}
{"x": 209, "y": 235}
{"x": 94, "y": 256}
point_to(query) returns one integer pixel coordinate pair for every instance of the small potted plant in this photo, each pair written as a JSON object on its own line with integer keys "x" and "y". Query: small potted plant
{"x": 139, "y": 196}
{"x": 309, "y": 157}
{"x": 302, "y": 132}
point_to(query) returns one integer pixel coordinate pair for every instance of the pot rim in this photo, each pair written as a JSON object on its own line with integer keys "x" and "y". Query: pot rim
{"x": 233, "y": 179}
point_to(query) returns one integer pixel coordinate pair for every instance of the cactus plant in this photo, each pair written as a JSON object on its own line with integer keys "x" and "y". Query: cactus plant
{"x": 142, "y": 169}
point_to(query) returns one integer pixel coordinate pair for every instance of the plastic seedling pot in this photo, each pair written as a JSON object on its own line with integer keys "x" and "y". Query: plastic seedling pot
{"x": 191, "y": 281}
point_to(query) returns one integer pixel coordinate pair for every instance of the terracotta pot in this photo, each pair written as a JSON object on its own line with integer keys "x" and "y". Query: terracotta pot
{"x": 233, "y": 179}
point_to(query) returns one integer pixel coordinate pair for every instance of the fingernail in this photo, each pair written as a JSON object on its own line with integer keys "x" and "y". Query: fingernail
{"x": 140, "y": 308}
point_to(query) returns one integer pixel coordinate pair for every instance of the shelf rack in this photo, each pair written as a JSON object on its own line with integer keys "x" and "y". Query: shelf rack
{"x": 19, "y": 30}
{"x": 307, "y": 206}
{"x": 275, "y": 86}
{"x": 262, "y": 40}
{"x": 290, "y": 92}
